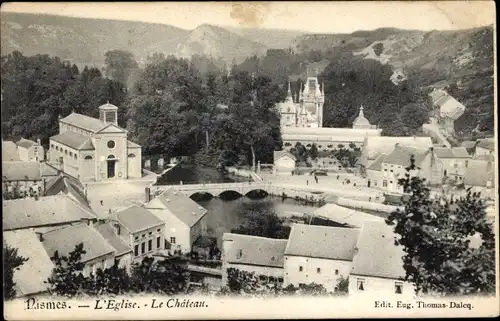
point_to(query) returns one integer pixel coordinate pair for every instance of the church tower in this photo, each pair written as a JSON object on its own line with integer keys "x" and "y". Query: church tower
{"x": 108, "y": 113}
{"x": 313, "y": 100}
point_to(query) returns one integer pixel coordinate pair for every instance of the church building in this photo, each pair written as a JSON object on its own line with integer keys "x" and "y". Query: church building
{"x": 93, "y": 149}
{"x": 302, "y": 121}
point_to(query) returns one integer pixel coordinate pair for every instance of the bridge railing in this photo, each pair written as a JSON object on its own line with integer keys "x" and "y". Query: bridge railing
{"x": 211, "y": 186}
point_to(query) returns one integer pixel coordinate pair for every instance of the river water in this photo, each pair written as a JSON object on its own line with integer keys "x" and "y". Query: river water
{"x": 226, "y": 214}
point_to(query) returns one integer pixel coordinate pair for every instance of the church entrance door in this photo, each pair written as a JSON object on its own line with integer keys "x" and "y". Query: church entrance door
{"x": 111, "y": 166}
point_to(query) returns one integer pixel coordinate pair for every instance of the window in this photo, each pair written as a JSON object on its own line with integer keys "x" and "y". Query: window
{"x": 172, "y": 240}
{"x": 131, "y": 155}
{"x": 318, "y": 270}
{"x": 280, "y": 280}
{"x": 150, "y": 233}
{"x": 158, "y": 242}
{"x": 336, "y": 272}
{"x": 143, "y": 247}
{"x": 66, "y": 152}
{"x": 466, "y": 164}
{"x": 76, "y": 157}
{"x": 111, "y": 144}
{"x": 385, "y": 169}
{"x": 143, "y": 235}
{"x": 384, "y": 183}
{"x": 239, "y": 253}
{"x": 136, "y": 250}
{"x": 136, "y": 238}
{"x": 150, "y": 245}
{"x": 158, "y": 230}
{"x": 88, "y": 157}
{"x": 361, "y": 284}
{"x": 52, "y": 146}
{"x": 390, "y": 182}
{"x": 398, "y": 287}
{"x": 57, "y": 148}
{"x": 71, "y": 154}
{"x": 300, "y": 268}
{"x": 392, "y": 171}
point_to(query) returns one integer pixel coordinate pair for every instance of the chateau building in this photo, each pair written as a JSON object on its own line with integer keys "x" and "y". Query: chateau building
{"x": 95, "y": 149}
{"x": 302, "y": 121}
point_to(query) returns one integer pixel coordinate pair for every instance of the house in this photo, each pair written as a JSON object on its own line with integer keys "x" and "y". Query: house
{"x": 284, "y": 162}
{"x": 30, "y": 151}
{"x": 185, "y": 220}
{"x": 31, "y": 276}
{"x": 44, "y": 212}
{"x": 319, "y": 254}
{"x": 25, "y": 179}
{"x": 141, "y": 230}
{"x": 452, "y": 162}
{"x": 446, "y": 110}
{"x": 374, "y": 146}
{"x": 10, "y": 152}
{"x": 395, "y": 164}
{"x": 254, "y": 254}
{"x": 22, "y": 179}
{"x": 124, "y": 255}
{"x": 374, "y": 172}
{"x": 344, "y": 216}
{"x": 99, "y": 254}
{"x": 93, "y": 149}
{"x": 485, "y": 147}
{"x": 480, "y": 175}
{"x": 377, "y": 267}
{"x": 66, "y": 184}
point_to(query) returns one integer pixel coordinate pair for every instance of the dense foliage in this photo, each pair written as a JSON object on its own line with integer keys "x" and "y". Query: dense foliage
{"x": 260, "y": 222}
{"x": 37, "y": 90}
{"x": 248, "y": 283}
{"x": 12, "y": 261}
{"x": 148, "y": 276}
{"x": 440, "y": 238}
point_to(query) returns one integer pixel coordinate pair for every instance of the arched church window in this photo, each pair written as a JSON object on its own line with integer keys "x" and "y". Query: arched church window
{"x": 111, "y": 156}
{"x": 88, "y": 157}
{"x": 66, "y": 151}
{"x": 131, "y": 155}
{"x": 111, "y": 144}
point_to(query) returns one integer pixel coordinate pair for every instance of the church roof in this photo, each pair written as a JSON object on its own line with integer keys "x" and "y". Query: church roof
{"x": 132, "y": 144}
{"x": 108, "y": 106}
{"x": 74, "y": 140}
{"x": 85, "y": 122}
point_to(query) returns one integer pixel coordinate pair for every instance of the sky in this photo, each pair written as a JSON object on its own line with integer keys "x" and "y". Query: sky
{"x": 315, "y": 17}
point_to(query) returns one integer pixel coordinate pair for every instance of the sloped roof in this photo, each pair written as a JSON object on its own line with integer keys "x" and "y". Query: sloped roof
{"x": 68, "y": 185}
{"x": 479, "y": 174}
{"x": 487, "y": 143}
{"x": 66, "y": 238}
{"x": 173, "y": 202}
{"x": 74, "y": 140}
{"x": 452, "y": 152}
{"x": 132, "y": 144}
{"x": 136, "y": 218}
{"x": 377, "y": 163}
{"x": 10, "y": 152}
{"x": 108, "y": 106}
{"x": 25, "y": 143}
{"x": 401, "y": 156}
{"x": 48, "y": 170}
{"x": 334, "y": 243}
{"x": 448, "y": 106}
{"x": 377, "y": 255}
{"x": 33, "y": 273}
{"x": 345, "y": 215}
{"x": 374, "y": 146}
{"x": 107, "y": 231}
{"x": 19, "y": 171}
{"x": 282, "y": 153}
{"x": 255, "y": 250}
{"x": 47, "y": 210}
{"x": 85, "y": 122}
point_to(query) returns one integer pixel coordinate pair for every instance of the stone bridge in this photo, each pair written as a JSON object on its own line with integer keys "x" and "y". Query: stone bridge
{"x": 215, "y": 189}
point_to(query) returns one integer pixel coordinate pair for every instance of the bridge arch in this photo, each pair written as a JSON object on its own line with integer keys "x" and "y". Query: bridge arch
{"x": 201, "y": 196}
{"x": 257, "y": 193}
{"x": 229, "y": 195}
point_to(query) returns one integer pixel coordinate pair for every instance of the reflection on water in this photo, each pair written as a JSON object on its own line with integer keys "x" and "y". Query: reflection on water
{"x": 224, "y": 215}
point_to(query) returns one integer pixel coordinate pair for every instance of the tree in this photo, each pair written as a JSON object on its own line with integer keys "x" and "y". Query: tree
{"x": 67, "y": 278}
{"x": 436, "y": 235}
{"x": 378, "y": 49}
{"x": 260, "y": 222}
{"x": 342, "y": 287}
{"x": 12, "y": 263}
{"x": 120, "y": 65}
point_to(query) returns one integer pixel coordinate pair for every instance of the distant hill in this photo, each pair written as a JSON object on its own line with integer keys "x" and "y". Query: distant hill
{"x": 85, "y": 41}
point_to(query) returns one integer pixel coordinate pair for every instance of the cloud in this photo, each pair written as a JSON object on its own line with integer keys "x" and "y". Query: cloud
{"x": 249, "y": 14}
